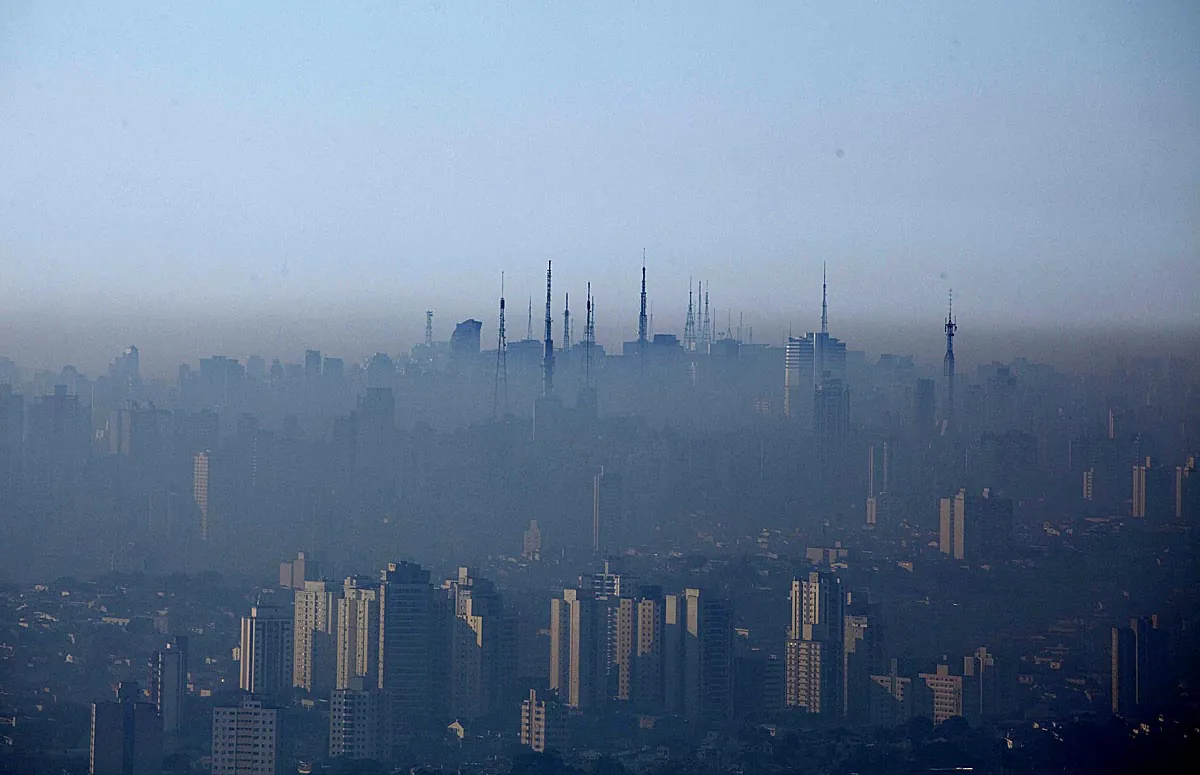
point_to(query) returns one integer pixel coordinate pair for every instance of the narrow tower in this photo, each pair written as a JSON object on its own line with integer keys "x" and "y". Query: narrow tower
{"x": 589, "y": 339}
{"x": 689, "y": 326}
{"x": 566, "y": 345}
{"x": 951, "y": 328}
{"x": 529, "y": 325}
{"x": 501, "y": 360}
{"x": 548, "y": 355}
{"x": 706, "y": 332}
{"x": 824, "y": 305}
{"x": 642, "y": 313}
{"x": 429, "y": 329}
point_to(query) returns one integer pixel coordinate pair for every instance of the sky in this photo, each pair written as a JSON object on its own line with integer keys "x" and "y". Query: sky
{"x": 174, "y": 167}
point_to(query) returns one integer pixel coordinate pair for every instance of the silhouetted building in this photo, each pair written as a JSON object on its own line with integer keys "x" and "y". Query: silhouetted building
{"x": 126, "y": 736}
{"x": 266, "y": 651}
{"x": 406, "y": 640}
{"x": 169, "y": 682}
{"x": 1139, "y": 668}
{"x": 464, "y": 342}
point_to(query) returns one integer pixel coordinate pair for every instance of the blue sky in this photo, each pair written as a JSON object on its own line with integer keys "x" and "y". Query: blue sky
{"x": 1041, "y": 158}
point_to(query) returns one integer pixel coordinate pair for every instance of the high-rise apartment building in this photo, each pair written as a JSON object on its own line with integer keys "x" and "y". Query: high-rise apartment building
{"x": 893, "y": 698}
{"x": 578, "y": 658}
{"x": 698, "y": 656}
{"x": 639, "y": 648}
{"x": 479, "y": 645}
{"x": 952, "y": 525}
{"x": 975, "y": 528}
{"x": 126, "y": 736}
{"x": 315, "y": 628}
{"x": 407, "y": 641}
{"x": 245, "y": 739}
{"x": 1139, "y": 667}
{"x": 266, "y": 651}
{"x": 200, "y": 490}
{"x": 945, "y": 694}
{"x": 356, "y": 719}
{"x": 168, "y": 682}
{"x": 531, "y": 545}
{"x": 542, "y": 727}
{"x": 358, "y": 633}
{"x": 814, "y": 659}
{"x": 862, "y": 650}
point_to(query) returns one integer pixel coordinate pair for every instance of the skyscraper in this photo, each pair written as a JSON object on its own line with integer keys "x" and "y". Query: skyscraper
{"x": 639, "y": 647}
{"x": 126, "y": 736}
{"x": 952, "y": 525}
{"x": 168, "y": 682}
{"x": 479, "y": 645}
{"x": 578, "y": 659}
{"x": 245, "y": 739}
{"x": 315, "y": 628}
{"x": 406, "y": 631}
{"x": 698, "y": 656}
{"x": 358, "y": 633}
{"x": 1139, "y": 668}
{"x": 200, "y": 493}
{"x": 814, "y": 669}
{"x": 266, "y": 651}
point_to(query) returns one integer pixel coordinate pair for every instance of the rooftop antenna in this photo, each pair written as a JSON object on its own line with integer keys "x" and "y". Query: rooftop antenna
{"x": 824, "y": 306}
{"x": 529, "y": 325}
{"x": 566, "y": 345}
{"x": 548, "y": 355}
{"x": 951, "y": 329}
{"x": 501, "y": 360}
{"x": 642, "y": 314}
{"x": 429, "y": 328}
{"x": 706, "y": 328}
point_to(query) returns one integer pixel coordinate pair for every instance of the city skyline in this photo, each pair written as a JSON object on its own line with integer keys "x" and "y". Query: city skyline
{"x": 1041, "y": 160}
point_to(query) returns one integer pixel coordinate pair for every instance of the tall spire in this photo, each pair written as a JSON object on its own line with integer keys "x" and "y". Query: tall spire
{"x": 589, "y": 339}
{"x": 548, "y": 354}
{"x": 689, "y": 327}
{"x": 824, "y": 304}
{"x": 707, "y": 329}
{"x": 529, "y": 325}
{"x": 501, "y": 360}
{"x": 642, "y": 314}
{"x": 948, "y": 370}
{"x": 566, "y": 345}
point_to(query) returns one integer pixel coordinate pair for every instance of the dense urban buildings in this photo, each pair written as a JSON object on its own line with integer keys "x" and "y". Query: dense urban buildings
{"x": 664, "y": 557}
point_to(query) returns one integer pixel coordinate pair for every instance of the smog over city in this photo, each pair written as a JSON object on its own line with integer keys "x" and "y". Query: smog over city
{"x": 599, "y": 388}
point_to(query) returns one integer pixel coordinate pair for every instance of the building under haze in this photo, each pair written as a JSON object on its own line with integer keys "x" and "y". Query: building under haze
{"x": 126, "y": 736}
{"x": 816, "y": 637}
{"x": 407, "y": 640}
{"x": 315, "y": 628}
{"x": 1139, "y": 668}
{"x": 266, "y": 651}
{"x": 169, "y": 682}
{"x": 358, "y": 633}
{"x": 245, "y": 739}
